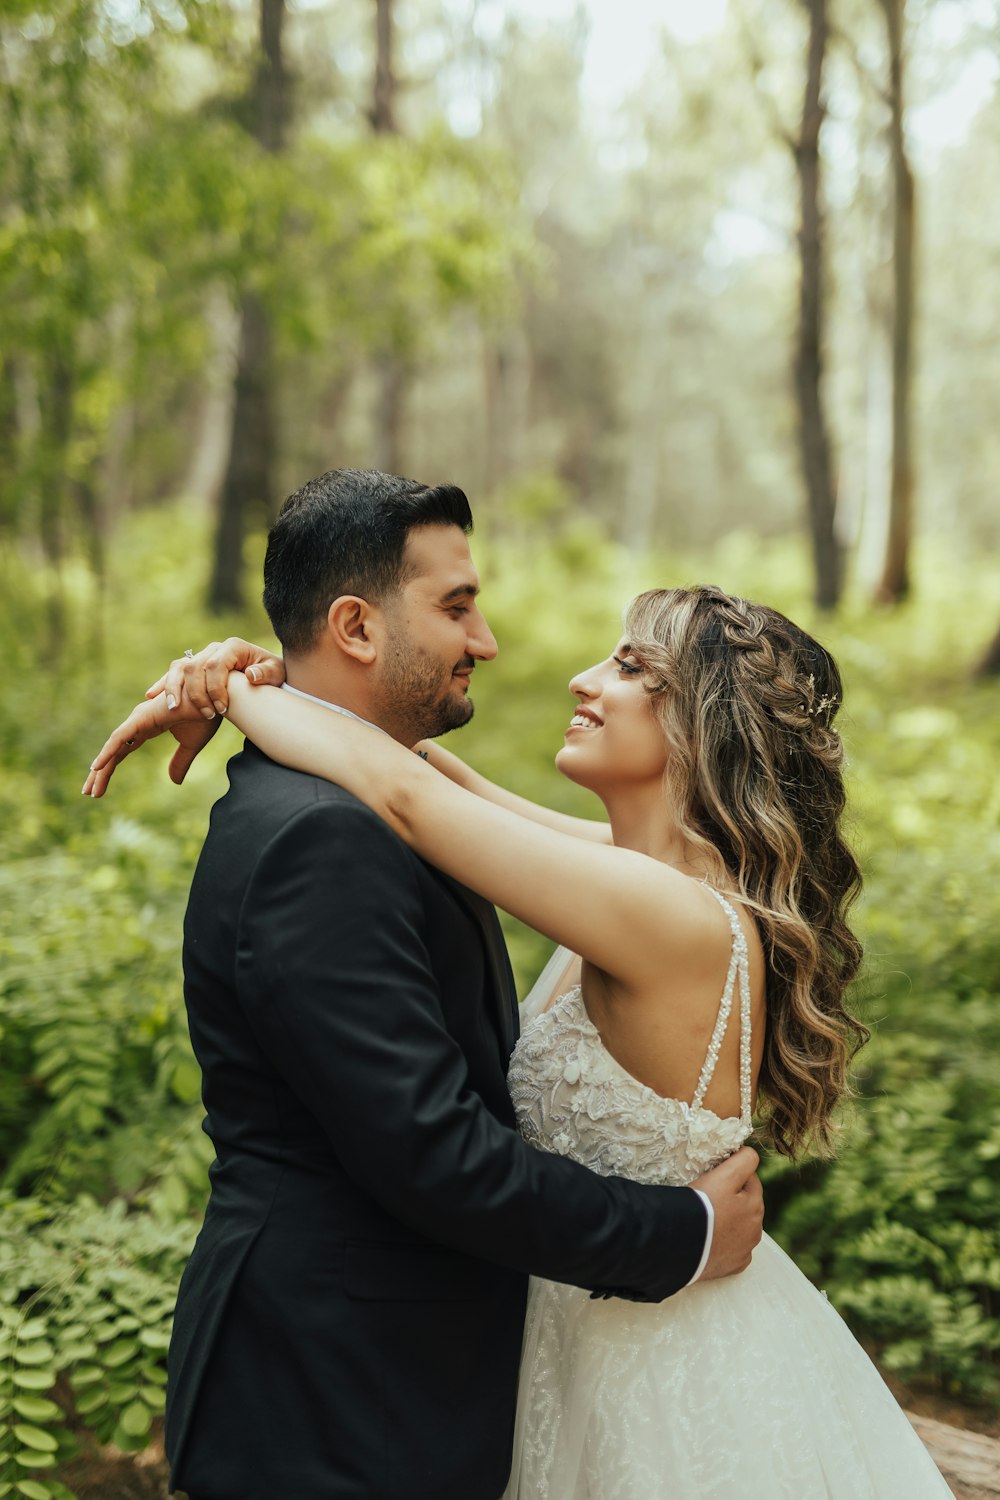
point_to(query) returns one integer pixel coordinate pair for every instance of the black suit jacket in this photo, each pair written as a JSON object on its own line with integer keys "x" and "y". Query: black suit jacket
{"x": 349, "y": 1323}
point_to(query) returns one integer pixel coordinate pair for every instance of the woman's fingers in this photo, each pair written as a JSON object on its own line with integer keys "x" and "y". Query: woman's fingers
{"x": 145, "y": 722}
{"x": 200, "y": 680}
{"x": 185, "y": 679}
{"x": 259, "y": 666}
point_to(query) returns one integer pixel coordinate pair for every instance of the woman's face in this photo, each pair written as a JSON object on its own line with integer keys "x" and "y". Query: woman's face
{"x": 614, "y": 741}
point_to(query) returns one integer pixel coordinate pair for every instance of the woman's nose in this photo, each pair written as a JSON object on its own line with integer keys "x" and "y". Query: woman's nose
{"x": 583, "y": 684}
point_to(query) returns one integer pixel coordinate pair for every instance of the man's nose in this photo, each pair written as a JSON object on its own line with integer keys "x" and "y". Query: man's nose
{"x": 482, "y": 642}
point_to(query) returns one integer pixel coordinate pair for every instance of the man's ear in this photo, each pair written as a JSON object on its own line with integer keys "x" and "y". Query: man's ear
{"x": 353, "y": 626}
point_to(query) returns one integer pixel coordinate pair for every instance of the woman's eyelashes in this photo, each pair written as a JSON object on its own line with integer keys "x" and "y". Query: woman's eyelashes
{"x": 628, "y": 667}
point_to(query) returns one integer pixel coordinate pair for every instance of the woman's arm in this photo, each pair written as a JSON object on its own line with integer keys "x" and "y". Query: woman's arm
{"x": 201, "y": 683}
{"x": 462, "y": 775}
{"x": 620, "y": 910}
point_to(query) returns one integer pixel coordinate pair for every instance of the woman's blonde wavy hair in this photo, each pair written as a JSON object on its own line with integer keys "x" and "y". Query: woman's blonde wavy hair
{"x": 754, "y": 771}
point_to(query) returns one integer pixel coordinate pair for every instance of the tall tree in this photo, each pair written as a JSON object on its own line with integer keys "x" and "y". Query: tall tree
{"x": 388, "y": 365}
{"x": 248, "y": 485}
{"x": 813, "y": 434}
{"x": 894, "y": 583}
{"x": 814, "y": 439}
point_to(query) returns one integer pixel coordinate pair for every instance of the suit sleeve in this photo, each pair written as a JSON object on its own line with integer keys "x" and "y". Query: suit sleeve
{"x": 335, "y": 977}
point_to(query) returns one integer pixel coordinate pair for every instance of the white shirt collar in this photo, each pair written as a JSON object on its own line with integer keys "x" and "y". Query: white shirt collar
{"x": 336, "y": 707}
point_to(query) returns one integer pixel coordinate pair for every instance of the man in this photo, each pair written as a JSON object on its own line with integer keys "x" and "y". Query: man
{"x": 349, "y": 1323}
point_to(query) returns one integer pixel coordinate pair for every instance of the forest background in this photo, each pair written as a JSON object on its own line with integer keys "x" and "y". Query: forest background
{"x": 684, "y": 292}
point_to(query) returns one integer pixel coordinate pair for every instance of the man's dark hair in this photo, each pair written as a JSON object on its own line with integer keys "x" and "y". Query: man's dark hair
{"x": 345, "y": 533}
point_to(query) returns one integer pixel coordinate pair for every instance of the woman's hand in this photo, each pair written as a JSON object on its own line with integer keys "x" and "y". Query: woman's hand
{"x": 200, "y": 679}
{"x": 146, "y": 721}
{"x": 186, "y": 701}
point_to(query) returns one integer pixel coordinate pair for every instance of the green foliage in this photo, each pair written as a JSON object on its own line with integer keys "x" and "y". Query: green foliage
{"x": 101, "y": 1151}
{"x": 137, "y": 212}
{"x": 86, "y": 1298}
{"x": 903, "y": 1228}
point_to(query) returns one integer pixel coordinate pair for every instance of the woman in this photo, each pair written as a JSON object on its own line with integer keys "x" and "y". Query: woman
{"x": 709, "y": 920}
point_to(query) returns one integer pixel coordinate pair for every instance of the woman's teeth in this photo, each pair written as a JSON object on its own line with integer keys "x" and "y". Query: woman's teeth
{"x": 581, "y": 721}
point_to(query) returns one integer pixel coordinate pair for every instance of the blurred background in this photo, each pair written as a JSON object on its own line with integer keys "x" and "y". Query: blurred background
{"x": 685, "y": 291}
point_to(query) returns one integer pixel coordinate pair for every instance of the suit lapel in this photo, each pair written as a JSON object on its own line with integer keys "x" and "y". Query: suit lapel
{"x": 503, "y": 997}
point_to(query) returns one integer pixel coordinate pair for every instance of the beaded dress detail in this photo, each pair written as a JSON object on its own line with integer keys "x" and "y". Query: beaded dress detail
{"x": 572, "y": 1097}
{"x": 747, "y": 1388}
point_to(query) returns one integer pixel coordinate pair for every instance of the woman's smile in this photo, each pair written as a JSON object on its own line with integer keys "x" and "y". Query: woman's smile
{"x": 584, "y": 718}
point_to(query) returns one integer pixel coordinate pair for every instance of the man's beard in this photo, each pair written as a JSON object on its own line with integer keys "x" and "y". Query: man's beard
{"x": 416, "y": 696}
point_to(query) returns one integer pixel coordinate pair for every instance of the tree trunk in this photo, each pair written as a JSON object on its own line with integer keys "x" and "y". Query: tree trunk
{"x": 213, "y": 420}
{"x": 9, "y": 435}
{"x": 498, "y": 377}
{"x": 249, "y": 478}
{"x": 990, "y": 664}
{"x": 388, "y": 412}
{"x": 389, "y": 373}
{"x": 384, "y": 97}
{"x": 894, "y": 583}
{"x": 56, "y": 426}
{"x": 248, "y": 484}
{"x": 813, "y": 434}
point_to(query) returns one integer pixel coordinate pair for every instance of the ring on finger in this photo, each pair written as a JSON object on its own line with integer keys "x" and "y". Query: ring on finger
{"x": 189, "y": 654}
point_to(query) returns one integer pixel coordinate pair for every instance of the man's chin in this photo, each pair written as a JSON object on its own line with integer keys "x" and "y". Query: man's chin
{"x": 455, "y": 714}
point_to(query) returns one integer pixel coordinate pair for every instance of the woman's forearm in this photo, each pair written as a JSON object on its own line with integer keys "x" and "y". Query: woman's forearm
{"x": 464, "y": 776}
{"x": 300, "y": 734}
{"x": 585, "y": 900}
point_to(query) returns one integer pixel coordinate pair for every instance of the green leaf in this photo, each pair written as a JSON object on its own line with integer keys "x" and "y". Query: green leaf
{"x": 154, "y": 1396}
{"x": 118, "y": 1353}
{"x": 80, "y": 1350}
{"x": 30, "y": 1458}
{"x": 33, "y": 1328}
{"x": 34, "y": 1437}
{"x": 35, "y": 1380}
{"x": 37, "y": 1408}
{"x": 33, "y": 1489}
{"x": 85, "y": 1375}
{"x": 136, "y": 1419}
{"x": 40, "y": 1352}
{"x": 89, "y": 1118}
{"x": 125, "y": 1440}
{"x": 121, "y": 1392}
{"x": 186, "y": 1081}
{"x": 92, "y": 1401}
{"x": 155, "y": 1338}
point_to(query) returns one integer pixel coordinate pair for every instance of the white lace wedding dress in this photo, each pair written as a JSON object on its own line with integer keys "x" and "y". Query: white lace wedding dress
{"x": 749, "y": 1388}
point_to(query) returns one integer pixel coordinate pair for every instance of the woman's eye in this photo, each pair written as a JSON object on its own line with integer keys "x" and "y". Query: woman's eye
{"x": 628, "y": 667}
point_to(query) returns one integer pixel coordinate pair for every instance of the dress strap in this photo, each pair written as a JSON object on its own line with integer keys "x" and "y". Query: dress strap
{"x": 739, "y": 972}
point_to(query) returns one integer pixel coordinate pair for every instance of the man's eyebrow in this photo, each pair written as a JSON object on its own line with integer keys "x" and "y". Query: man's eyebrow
{"x": 460, "y": 591}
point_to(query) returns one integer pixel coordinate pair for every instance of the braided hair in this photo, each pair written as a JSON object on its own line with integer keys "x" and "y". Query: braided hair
{"x": 754, "y": 771}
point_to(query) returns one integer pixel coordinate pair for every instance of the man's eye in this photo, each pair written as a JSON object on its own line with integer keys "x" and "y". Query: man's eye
{"x": 459, "y": 609}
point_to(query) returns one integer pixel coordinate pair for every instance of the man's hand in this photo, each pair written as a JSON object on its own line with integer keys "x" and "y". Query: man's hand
{"x": 200, "y": 679}
{"x": 147, "y": 720}
{"x": 738, "y": 1201}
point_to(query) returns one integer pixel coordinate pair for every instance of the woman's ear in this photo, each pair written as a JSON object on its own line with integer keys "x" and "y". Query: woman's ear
{"x": 352, "y": 626}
